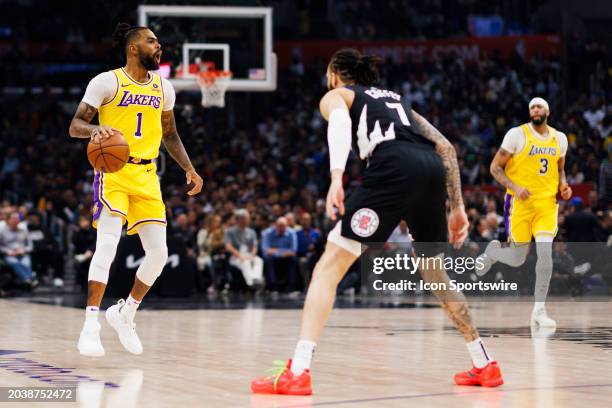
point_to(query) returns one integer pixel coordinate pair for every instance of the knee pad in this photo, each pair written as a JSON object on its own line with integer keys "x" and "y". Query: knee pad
{"x": 106, "y": 248}
{"x": 544, "y": 245}
{"x": 544, "y": 253}
{"x": 153, "y": 264}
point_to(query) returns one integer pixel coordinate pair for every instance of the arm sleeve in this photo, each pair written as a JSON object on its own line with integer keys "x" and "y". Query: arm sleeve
{"x": 514, "y": 140}
{"x": 339, "y": 138}
{"x": 562, "y": 143}
{"x": 102, "y": 88}
{"x": 169, "y": 95}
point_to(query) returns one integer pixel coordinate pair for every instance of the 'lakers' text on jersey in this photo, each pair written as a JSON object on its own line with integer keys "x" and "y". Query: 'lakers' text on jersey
{"x": 136, "y": 111}
{"x": 135, "y": 108}
{"x": 380, "y": 115}
{"x": 536, "y": 166}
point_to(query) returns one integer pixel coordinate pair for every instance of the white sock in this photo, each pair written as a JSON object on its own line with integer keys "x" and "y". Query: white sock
{"x": 130, "y": 307}
{"x": 478, "y": 352}
{"x": 302, "y": 356}
{"x": 91, "y": 315}
{"x": 537, "y": 306}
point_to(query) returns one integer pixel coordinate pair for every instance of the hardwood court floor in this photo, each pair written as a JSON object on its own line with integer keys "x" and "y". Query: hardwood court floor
{"x": 377, "y": 357}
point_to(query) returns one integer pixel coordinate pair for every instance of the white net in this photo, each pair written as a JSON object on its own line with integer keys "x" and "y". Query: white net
{"x": 213, "y": 86}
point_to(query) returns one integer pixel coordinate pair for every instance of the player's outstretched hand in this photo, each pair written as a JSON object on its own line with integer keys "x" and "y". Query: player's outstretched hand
{"x": 566, "y": 191}
{"x": 194, "y": 177}
{"x": 335, "y": 199}
{"x": 102, "y": 133}
{"x": 457, "y": 226}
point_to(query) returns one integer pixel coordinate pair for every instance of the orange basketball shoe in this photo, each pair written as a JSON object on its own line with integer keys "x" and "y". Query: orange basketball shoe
{"x": 488, "y": 376}
{"x": 283, "y": 381}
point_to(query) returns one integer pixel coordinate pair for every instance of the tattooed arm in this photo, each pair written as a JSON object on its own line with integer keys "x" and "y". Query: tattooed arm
{"x": 173, "y": 142}
{"x": 497, "y": 168}
{"x": 497, "y": 171}
{"x": 449, "y": 156}
{"x": 457, "y": 220}
{"x": 175, "y": 148}
{"x": 81, "y": 127}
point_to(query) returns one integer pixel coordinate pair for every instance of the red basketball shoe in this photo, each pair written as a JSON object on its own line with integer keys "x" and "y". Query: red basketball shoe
{"x": 283, "y": 381}
{"x": 488, "y": 376}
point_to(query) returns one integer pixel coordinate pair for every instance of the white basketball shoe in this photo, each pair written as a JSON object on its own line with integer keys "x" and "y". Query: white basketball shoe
{"x": 541, "y": 319}
{"x": 89, "y": 340}
{"x": 125, "y": 327}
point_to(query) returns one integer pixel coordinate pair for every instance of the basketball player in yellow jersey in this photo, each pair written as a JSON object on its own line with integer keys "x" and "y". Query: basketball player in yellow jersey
{"x": 530, "y": 164}
{"x": 139, "y": 103}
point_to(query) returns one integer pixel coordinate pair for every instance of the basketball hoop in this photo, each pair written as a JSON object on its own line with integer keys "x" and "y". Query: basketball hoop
{"x": 213, "y": 84}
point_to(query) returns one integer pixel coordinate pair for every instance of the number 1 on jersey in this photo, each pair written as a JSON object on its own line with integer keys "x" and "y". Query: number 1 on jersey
{"x": 400, "y": 111}
{"x": 138, "y": 132}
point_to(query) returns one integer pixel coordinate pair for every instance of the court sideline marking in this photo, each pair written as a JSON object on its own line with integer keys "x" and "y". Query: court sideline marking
{"x": 442, "y": 394}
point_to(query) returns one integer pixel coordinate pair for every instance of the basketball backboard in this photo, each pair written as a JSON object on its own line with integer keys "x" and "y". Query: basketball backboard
{"x": 236, "y": 39}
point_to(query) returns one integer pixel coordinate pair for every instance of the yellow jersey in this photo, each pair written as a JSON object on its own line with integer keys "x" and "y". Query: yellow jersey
{"x": 136, "y": 111}
{"x": 536, "y": 166}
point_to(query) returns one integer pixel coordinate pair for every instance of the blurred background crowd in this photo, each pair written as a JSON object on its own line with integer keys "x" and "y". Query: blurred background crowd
{"x": 260, "y": 219}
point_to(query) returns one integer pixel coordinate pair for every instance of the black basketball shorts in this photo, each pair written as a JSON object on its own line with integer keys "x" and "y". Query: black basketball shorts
{"x": 402, "y": 181}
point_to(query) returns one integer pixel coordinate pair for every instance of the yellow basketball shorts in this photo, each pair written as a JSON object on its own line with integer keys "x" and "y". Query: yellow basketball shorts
{"x": 132, "y": 193}
{"x": 529, "y": 218}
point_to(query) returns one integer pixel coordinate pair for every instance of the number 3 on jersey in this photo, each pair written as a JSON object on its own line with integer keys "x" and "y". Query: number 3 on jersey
{"x": 544, "y": 167}
{"x": 138, "y": 132}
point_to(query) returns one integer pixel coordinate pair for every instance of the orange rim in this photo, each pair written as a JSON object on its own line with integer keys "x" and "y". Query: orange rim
{"x": 209, "y": 77}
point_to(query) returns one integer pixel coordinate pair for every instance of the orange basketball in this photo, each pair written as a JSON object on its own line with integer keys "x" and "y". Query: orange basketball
{"x": 110, "y": 155}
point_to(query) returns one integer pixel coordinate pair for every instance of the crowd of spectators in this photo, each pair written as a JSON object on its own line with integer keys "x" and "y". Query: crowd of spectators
{"x": 265, "y": 166}
{"x": 33, "y": 49}
{"x": 315, "y": 19}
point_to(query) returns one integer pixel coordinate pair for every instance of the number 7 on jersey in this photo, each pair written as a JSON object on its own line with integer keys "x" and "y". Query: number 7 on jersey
{"x": 400, "y": 111}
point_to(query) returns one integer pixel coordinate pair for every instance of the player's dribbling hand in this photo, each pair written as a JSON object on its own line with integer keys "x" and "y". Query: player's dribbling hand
{"x": 458, "y": 226}
{"x": 101, "y": 133}
{"x": 566, "y": 191}
{"x": 335, "y": 199}
{"x": 194, "y": 177}
{"x": 521, "y": 193}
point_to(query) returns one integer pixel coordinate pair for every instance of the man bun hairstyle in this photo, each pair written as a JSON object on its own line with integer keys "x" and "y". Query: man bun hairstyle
{"x": 352, "y": 66}
{"x": 124, "y": 34}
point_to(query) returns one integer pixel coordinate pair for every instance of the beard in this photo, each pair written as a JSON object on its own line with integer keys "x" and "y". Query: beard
{"x": 538, "y": 121}
{"x": 149, "y": 62}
